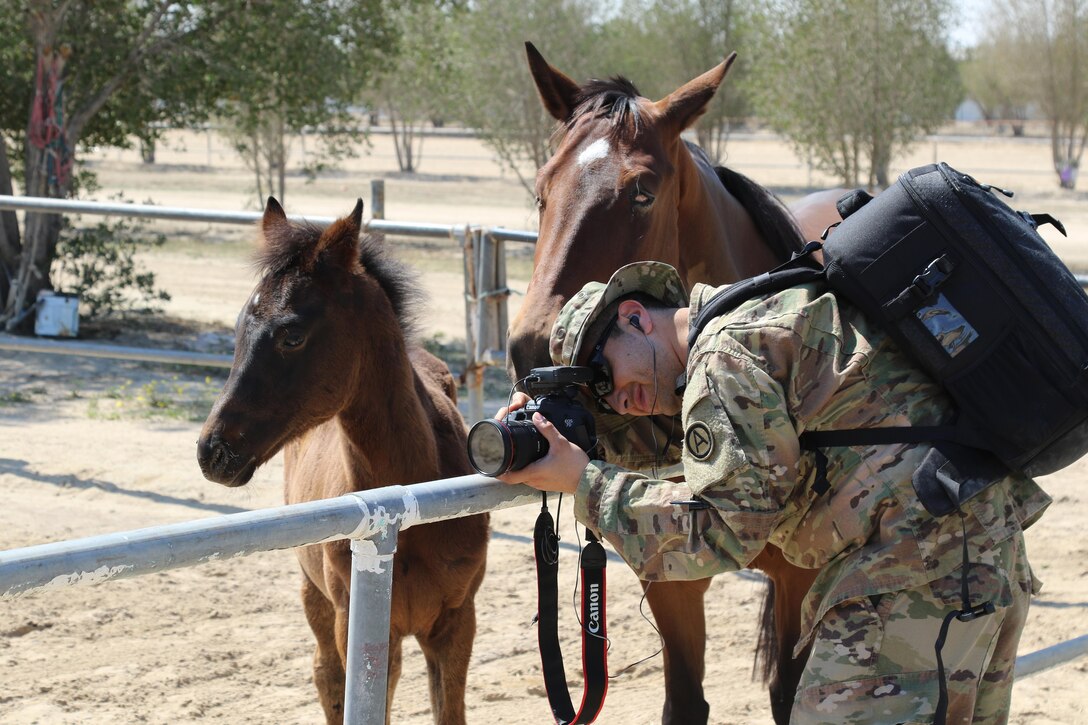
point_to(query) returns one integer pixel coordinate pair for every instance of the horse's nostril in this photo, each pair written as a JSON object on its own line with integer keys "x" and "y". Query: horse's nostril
{"x": 214, "y": 455}
{"x": 218, "y": 457}
{"x": 222, "y": 455}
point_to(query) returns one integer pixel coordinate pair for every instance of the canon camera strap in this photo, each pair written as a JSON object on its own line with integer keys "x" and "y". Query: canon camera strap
{"x": 594, "y": 640}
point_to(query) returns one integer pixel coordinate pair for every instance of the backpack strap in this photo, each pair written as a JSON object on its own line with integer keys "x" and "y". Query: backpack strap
{"x": 1039, "y": 220}
{"x": 801, "y": 268}
{"x": 815, "y": 440}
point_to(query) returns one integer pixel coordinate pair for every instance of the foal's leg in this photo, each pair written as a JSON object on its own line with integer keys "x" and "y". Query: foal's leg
{"x": 328, "y": 665}
{"x": 447, "y": 648}
{"x": 678, "y": 611}
{"x": 393, "y": 676}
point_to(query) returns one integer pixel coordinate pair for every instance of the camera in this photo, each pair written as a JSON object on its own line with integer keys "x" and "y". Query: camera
{"x": 498, "y": 446}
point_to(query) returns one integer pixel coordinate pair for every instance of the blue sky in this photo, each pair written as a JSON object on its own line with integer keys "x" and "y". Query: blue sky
{"x": 966, "y": 27}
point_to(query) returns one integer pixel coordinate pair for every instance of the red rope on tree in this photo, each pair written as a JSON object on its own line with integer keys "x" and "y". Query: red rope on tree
{"x": 47, "y": 130}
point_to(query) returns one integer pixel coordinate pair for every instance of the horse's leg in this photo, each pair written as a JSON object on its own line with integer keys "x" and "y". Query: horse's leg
{"x": 328, "y": 665}
{"x": 781, "y": 628}
{"x": 396, "y": 658}
{"x": 678, "y": 610}
{"x": 447, "y": 647}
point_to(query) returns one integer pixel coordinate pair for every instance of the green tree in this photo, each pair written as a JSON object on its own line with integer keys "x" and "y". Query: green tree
{"x": 112, "y": 72}
{"x": 87, "y": 73}
{"x": 293, "y": 69}
{"x": 496, "y": 94}
{"x": 1045, "y": 44}
{"x": 673, "y": 41}
{"x": 853, "y": 83}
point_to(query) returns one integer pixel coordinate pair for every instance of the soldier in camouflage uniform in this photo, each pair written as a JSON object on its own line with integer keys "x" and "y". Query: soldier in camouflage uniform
{"x": 756, "y": 378}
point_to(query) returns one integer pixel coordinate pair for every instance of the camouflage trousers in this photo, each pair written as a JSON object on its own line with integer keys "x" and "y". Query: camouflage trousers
{"x": 873, "y": 658}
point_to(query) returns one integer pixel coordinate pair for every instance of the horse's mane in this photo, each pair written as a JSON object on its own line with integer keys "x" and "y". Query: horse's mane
{"x": 287, "y": 250}
{"x": 616, "y": 99}
{"x": 399, "y": 282}
{"x": 773, "y": 221}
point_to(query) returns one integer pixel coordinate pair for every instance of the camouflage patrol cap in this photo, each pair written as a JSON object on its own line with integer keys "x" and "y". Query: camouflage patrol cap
{"x": 657, "y": 279}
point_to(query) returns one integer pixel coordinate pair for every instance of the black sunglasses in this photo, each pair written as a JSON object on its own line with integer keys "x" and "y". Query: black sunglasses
{"x": 601, "y": 385}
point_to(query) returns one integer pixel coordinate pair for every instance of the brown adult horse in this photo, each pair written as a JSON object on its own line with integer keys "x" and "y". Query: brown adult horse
{"x": 324, "y": 368}
{"x": 623, "y": 186}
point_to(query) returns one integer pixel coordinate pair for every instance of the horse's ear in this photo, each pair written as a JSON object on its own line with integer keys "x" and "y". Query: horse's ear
{"x": 273, "y": 213}
{"x": 557, "y": 91}
{"x": 340, "y": 241}
{"x": 357, "y": 214}
{"x": 682, "y": 107}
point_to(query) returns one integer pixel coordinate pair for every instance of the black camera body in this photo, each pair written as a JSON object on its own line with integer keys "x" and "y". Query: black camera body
{"x": 498, "y": 446}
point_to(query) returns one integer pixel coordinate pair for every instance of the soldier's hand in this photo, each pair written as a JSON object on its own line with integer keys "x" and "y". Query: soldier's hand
{"x": 517, "y": 400}
{"x": 558, "y": 471}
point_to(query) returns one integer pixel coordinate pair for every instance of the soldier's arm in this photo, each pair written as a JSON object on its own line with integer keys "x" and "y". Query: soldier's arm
{"x": 740, "y": 456}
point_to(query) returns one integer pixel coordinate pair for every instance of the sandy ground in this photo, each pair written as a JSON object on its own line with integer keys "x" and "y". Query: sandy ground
{"x": 92, "y": 446}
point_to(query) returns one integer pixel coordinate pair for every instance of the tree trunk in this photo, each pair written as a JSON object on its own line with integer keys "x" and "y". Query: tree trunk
{"x": 882, "y": 159}
{"x": 41, "y": 232}
{"x": 10, "y": 245}
{"x": 281, "y": 156}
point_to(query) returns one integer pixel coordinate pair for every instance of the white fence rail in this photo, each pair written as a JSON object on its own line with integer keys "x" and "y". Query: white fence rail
{"x": 371, "y": 519}
{"x": 483, "y": 252}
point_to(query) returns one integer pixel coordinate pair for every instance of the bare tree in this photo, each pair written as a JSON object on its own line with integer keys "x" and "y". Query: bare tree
{"x": 417, "y": 87}
{"x": 1047, "y": 42}
{"x": 998, "y": 90}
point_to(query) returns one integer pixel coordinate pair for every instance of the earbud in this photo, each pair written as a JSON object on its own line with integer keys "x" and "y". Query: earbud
{"x": 635, "y": 323}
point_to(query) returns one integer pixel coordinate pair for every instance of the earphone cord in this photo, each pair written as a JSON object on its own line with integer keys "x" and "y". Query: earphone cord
{"x": 653, "y": 405}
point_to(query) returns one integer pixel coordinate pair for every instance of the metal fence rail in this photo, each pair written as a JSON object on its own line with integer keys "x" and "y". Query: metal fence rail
{"x": 1044, "y": 659}
{"x": 486, "y": 291}
{"x": 371, "y": 519}
{"x": 115, "y": 352}
{"x": 151, "y": 211}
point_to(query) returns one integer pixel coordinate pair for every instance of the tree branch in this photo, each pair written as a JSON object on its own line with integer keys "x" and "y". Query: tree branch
{"x": 145, "y": 46}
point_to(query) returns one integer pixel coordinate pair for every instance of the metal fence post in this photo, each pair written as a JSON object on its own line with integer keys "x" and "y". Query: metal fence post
{"x": 502, "y": 297}
{"x": 473, "y": 373}
{"x": 368, "y": 627}
{"x": 377, "y": 199}
{"x": 486, "y": 338}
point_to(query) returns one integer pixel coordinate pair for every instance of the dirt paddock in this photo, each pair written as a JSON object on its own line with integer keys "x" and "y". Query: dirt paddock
{"x": 95, "y": 446}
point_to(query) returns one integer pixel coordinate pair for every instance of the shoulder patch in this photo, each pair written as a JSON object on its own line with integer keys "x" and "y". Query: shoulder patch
{"x": 699, "y": 441}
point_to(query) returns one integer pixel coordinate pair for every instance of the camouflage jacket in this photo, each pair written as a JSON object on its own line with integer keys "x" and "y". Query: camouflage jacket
{"x": 758, "y": 377}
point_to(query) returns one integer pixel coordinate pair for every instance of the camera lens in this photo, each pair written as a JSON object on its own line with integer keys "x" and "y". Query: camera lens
{"x": 498, "y": 446}
{"x": 489, "y": 448}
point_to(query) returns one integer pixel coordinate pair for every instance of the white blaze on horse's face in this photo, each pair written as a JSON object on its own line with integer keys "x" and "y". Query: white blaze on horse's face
{"x": 599, "y": 149}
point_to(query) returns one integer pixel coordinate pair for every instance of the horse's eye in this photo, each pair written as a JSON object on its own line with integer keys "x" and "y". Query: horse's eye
{"x": 539, "y": 204}
{"x": 641, "y": 198}
{"x": 293, "y": 338}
